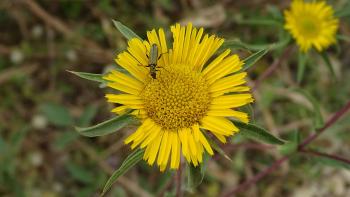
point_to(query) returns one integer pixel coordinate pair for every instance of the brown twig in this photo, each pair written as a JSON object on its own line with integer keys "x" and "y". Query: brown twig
{"x": 256, "y": 178}
{"x": 330, "y": 122}
{"x": 279, "y": 162}
{"x": 287, "y": 51}
{"x": 334, "y": 157}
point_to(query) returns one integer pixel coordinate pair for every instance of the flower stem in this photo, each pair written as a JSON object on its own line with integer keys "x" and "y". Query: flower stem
{"x": 285, "y": 54}
{"x": 279, "y": 162}
{"x": 178, "y": 181}
{"x": 330, "y": 156}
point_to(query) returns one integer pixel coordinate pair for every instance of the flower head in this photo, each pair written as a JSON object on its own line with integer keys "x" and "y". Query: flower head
{"x": 187, "y": 98}
{"x": 311, "y": 24}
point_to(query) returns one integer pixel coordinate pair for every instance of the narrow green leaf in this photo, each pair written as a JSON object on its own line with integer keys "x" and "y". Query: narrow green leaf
{"x": 127, "y": 33}
{"x": 257, "y": 133}
{"x": 292, "y": 144}
{"x": 258, "y": 21}
{"x": 129, "y": 162}
{"x": 275, "y": 12}
{"x": 344, "y": 11}
{"x": 106, "y": 127}
{"x": 56, "y": 114}
{"x": 302, "y": 58}
{"x": 3, "y": 146}
{"x": 237, "y": 44}
{"x": 331, "y": 162}
{"x": 65, "y": 139}
{"x": 343, "y": 38}
{"x": 89, "y": 76}
{"x": 252, "y": 59}
{"x": 217, "y": 148}
{"x": 318, "y": 119}
{"x": 195, "y": 176}
{"x": 79, "y": 173}
{"x": 328, "y": 63}
{"x": 87, "y": 116}
{"x": 17, "y": 138}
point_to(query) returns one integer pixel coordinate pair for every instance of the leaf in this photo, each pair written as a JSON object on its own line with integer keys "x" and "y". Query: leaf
{"x": 127, "y": 33}
{"x": 129, "y": 162}
{"x": 252, "y": 59}
{"x": 3, "y": 146}
{"x": 257, "y": 133}
{"x": 275, "y": 12}
{"x": 259, "y": 21}
{"x": 318, "y": 119}
{"x": 106, "y": 127}
{"x": 195, "y": 176}
{"x": 87, "y": 116}
{"x": 80, "y": 174}
{"x": 302, "y": 58}
{"x": 65, "y": 139}
{"x": 292, "y": 145}
{"x": 89, "y": 76}
{"x": 17, "y": 138}
{"x": 235, "y": 44}
{"x": 344, "y": 11}
{"x": 343, "y": 38}
{"x": 328, "y": 63}
{"x": 217, "y": 148}
{"x": 331, "y": 162}
{"x": 56, "y": 114}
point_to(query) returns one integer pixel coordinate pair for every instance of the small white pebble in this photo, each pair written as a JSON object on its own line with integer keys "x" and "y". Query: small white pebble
{"x": 36, "y": 158}
{"x": 37, "y": 31}
{"x": 57, "y": 187}
{"x": 39, "y": 122}
{"x": 16, "y": 56}
{"x": 71, "y": 55}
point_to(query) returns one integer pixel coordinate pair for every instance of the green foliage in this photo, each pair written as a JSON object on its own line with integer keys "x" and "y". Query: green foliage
{"x": 87, "y": 116}
{"x": 257, "y": 133}
{"x": 331, "y": 162}
{"x": 89, "y": 76}
{"x": 291, "y": 145}
{"x": 107, "y": 127}
{"x": 318, "y": 119}
{"x": 328, "y": 63}
{"x": 195, "y": 176}
{"x": 302, "y": 61}
{"x": 252, "y": 59}
{"x": 217, "y": 148}
{"x": 57, "y": 114}
{"x": 79, "y": 173}
{"x": 127, "y": 33}
{"x": 129, "y": 162}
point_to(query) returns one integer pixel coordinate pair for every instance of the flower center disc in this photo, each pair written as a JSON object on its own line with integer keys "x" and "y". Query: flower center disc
{"x": 177, "y": 98}
{"x": 309, "y": 27}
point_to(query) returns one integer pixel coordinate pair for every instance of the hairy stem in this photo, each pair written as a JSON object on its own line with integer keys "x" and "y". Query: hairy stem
{"x": 330, "y": 156}
{"x": 279, "y": 162}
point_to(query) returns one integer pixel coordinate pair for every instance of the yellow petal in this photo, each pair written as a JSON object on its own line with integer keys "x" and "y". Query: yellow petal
{"x": 218, "y": 124}
{"x": 231, "y": 101}
{"x": 229, "y": 113}
{"x": 155, "y": 147}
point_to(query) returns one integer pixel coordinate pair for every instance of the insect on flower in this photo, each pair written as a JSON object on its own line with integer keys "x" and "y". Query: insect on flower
{"x": 152, "y": 60}
{"x": 187, "y": 101}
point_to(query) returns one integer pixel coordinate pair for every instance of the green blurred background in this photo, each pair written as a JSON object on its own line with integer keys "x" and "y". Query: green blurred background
{"x": 40, "y": 102}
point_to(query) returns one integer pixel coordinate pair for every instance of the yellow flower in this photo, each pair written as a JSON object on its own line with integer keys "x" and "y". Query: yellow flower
{"x": 189, "y": 97}
{"x": 311, "y": 24}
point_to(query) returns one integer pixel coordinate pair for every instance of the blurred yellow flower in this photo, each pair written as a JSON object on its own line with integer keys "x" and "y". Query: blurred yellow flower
{"x": 312, "y": 24}
{"x": 188, "y": 98}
